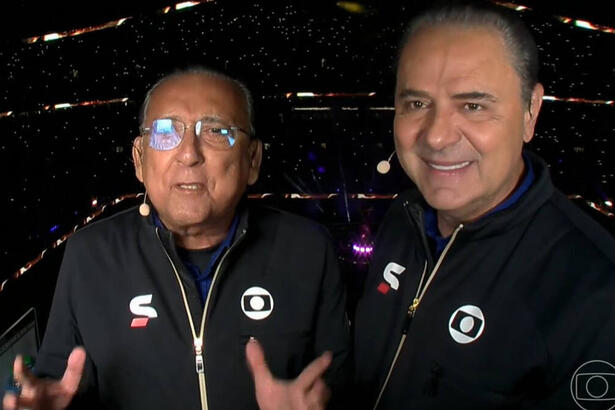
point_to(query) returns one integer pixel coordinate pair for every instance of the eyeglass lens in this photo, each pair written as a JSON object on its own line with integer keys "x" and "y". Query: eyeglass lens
{"x": 167, "y": 134}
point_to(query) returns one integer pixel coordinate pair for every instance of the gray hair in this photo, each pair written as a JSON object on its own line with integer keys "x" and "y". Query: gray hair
{"x": 207, "y": 72}
{"x": 515, "y": 34}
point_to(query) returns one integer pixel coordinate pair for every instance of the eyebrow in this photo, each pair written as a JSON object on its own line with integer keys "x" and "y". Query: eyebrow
{"x": 472, "y": 95}
{"x": 208, "y": 119}
{"x": 475, "y": 95}
{"x": 213, "y": 119}
{"x": 409, "y": 92}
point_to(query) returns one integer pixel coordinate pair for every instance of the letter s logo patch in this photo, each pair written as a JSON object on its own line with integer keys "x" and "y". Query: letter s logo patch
{"x": 392, "y": 282}
{"x": 138, "y": 308}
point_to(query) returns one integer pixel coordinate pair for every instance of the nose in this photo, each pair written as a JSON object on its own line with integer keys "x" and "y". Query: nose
{"x": 190, "y": 150}
{"x": 439, "y": 129}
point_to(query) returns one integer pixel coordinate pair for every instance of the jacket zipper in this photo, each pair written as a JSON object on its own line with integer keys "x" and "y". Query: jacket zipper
{"x": 412, "y": 308}
{"x": 198, "y": 340}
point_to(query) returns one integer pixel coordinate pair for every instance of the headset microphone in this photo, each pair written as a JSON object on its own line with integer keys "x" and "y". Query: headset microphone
{"x": 144, "y": 207}
{"x": 384, "y": 166}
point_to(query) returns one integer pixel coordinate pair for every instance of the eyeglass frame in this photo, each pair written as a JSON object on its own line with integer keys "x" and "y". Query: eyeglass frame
{"x": 147, "y": 130}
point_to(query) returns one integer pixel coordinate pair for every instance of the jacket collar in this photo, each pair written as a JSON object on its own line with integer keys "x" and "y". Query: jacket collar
{"x": 494, "y": 223}
{"x": 241, "y": 221}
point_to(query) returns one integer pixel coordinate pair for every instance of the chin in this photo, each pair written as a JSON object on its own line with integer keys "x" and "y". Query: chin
{"x": 190, "y": 218}
{"x": 446, "y": 200}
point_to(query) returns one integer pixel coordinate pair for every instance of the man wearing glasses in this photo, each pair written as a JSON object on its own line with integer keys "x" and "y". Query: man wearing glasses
{"x": 166, "y": 300}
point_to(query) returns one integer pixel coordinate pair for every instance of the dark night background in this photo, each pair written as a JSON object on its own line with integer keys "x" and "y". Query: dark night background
{"x": 56, "y": 162}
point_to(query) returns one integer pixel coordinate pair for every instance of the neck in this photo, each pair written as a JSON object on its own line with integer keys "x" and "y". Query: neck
{"x": 446, "y": 224}
{"x": 448, "y": 221}
{"x": 202, "y": 236}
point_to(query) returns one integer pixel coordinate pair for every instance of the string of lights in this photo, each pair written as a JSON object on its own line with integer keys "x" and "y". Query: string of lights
{"x": 345, "y": 5}
{"x": 64, "y": 237}
{"x": 324, "y": 196}
{"x": 61, "y": 106}
{"x": 75, "y": 32}
{"x": 576, "y": 100}
{"x": 310, "y": 94}
{"x": 566, "y": 20}
{"x": 110, "y": 24}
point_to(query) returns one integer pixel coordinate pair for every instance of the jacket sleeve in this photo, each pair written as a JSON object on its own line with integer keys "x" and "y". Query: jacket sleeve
{"x": 589, "y": 372}
{"x": 62, "y": 332}
{"x": 332, "y": 330}
{"x": 579, "y": 328}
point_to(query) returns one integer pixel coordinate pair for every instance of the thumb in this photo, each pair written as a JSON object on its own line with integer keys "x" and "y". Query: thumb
{"x": 314, "y": 370}
{"x": 256, "y": 362}
{"x": 74, "y": 370}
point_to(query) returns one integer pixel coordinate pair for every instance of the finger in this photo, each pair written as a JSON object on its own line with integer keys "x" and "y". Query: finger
{"x": 256, "y": 361}
{"x": 74, "y": 370}
{"x": 314, "y": 370}
{"x": 26, "y": 380}
{"x": 318, "y": 396}
{"x": 21, "y": 374}
{"x": 9, "y": 402}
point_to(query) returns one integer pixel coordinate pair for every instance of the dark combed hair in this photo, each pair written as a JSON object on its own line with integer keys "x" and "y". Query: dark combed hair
{"x": 515, "y": 34}
{"x": 207, "y": 72}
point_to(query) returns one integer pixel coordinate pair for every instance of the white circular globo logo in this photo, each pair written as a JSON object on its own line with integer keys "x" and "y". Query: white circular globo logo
{"x": 466, "y": 324}
{"x": 256, "y": 303}
{"x": 592, "y": 385}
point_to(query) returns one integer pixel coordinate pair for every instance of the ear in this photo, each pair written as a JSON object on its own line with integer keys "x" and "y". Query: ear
{"x": 531, "y": 115}
{"x": 137, "y": 157}
{"x": 256, "y": 157}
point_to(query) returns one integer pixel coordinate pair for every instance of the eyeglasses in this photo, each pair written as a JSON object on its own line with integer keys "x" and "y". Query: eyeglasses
{"x": 167, "y": 133}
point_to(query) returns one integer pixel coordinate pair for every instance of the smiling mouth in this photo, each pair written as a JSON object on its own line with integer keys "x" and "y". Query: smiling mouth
{"x": 452, "y": 167}
{"x": 190, "y": 187}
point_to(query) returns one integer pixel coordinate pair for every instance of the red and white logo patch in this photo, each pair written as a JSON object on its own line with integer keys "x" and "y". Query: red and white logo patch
{"x": 390, "y": 280}
{"x": 138, "y": 308}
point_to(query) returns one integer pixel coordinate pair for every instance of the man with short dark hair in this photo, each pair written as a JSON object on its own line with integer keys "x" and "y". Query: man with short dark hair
{"x": 167, "y": 299}
{"x": 488, "y": 288}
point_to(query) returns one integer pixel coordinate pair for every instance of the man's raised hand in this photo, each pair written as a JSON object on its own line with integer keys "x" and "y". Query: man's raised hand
{"x": 307, "y": 391}
{"x": 45, "y": 394}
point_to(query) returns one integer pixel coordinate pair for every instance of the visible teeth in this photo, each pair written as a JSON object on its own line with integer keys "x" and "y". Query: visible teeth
{"x": 192, "y": 187}
{"x": 450, "y": 167}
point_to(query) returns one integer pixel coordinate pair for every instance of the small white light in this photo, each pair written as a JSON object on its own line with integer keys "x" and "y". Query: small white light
{"x": 584, "y": 24}
{"x": 51, "y": 36}
{"x": 311, "y": 108}
{"x": 185, "y": 5}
